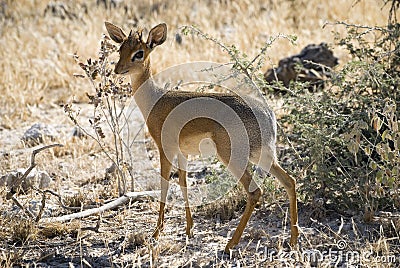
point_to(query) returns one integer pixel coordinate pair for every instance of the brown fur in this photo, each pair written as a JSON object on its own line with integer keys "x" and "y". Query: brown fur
{"x": 261, "y": 136}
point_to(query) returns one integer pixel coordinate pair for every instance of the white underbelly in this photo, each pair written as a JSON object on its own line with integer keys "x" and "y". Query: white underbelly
{"x": 197, "y": 145}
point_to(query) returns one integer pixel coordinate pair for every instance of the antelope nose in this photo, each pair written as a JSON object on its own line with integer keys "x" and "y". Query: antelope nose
{"x": 117, "y": 69}
{"x": 120, "y": 70}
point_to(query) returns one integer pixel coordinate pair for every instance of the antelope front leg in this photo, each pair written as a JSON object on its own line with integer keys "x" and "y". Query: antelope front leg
{"x": 182, "y": 162}
{"x": 165, "y": 175}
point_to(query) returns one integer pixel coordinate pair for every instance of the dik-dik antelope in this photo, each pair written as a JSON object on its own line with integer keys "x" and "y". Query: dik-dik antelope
{"x": 158, "y": 104}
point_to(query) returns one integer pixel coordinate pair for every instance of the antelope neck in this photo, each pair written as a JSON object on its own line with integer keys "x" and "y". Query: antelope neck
{"x": 146, "y": 93}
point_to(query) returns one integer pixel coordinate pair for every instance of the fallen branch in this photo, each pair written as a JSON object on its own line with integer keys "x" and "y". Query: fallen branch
{"x": 18, "y": 182}
{"x": 113, "y": 204}
{"x": 60, "y": 200}
{"x": 27, "y": 211}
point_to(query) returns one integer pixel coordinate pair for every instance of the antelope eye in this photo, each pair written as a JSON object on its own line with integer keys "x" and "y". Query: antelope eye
{"x": 138, "y": 55}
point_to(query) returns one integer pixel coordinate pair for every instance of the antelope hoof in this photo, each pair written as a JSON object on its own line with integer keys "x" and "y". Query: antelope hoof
{"x": 189, "y": 232}
{"x": 293, "y": 238}
{"x": 189, "y": 228}
{"x": 157, "y": 231}
{"x": 229, "y": 246}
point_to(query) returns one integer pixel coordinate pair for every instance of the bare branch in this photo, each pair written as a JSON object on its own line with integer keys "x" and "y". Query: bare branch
{"x": 112, "y": 205}
{"x": 42, "y": 207}
{"x": 18, "y": 182}
{"x": 27, "y": 211}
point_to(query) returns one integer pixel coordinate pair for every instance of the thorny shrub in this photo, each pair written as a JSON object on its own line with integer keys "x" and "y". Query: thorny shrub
{"x": 348, "y": 136}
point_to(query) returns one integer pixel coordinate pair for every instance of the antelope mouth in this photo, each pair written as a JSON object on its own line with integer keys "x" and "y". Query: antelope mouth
{"x": 124, "y": 72}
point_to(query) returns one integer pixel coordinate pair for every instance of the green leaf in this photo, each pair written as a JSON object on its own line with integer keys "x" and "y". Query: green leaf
{"x": 391, "y": 181}
{"x": 373, "y": 165}
{"x": 385, "y": 134}
{"x": 398, "y": 143}
{"x": 367, "y": 150}
{"x": 379, "y": 176}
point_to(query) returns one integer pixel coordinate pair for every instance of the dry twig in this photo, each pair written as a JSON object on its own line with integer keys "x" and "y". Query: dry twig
{"x": 18, "y": 182}
{"x": 112, "y": 205}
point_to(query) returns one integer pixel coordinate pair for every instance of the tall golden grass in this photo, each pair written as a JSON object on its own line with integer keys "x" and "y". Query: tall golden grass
{"x": 37, "y": 68}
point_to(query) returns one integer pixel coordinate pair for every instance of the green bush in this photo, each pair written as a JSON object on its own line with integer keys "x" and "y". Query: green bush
{"x": 348, "y": 136}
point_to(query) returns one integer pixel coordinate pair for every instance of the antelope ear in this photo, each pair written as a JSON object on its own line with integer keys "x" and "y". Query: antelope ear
{"x": 157, "y": 36}
{"x": 115, "y": 32}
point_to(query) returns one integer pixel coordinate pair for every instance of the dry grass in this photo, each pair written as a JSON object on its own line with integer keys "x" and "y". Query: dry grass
{"x": 37, "y": 65}
{"x": 23, "y": 230}
{"x": 59, "y": 229}
{"x": 36, "y": 76}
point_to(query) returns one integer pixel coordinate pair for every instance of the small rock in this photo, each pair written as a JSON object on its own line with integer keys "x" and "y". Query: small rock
{"x": 37, "y": 132}
{"x": 38, "y": 179}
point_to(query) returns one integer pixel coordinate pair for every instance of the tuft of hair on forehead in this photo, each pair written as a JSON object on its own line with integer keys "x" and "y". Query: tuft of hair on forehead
{"x": 136, "y": 35}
